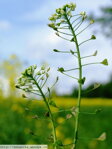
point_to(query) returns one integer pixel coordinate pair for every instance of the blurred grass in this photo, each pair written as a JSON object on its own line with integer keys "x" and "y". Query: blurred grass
{"x": 19, "y": 126}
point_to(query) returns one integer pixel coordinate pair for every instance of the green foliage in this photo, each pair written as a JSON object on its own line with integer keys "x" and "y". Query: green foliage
{"x": 23, "y": 122}
{"x": 32, "y": 80}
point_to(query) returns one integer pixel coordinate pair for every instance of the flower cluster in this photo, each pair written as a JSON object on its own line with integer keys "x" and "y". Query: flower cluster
{"x": 59, "y": 17}
{"x": 63, "y": 17}
{"x": 31, "y": 77}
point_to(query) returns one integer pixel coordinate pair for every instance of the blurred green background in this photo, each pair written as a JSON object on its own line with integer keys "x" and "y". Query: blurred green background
{"x": 19, "y": 123}
{"x": 24, "y": 121}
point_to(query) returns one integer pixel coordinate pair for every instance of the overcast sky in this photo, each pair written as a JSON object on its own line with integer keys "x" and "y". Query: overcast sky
{"x": 24, "y": 32}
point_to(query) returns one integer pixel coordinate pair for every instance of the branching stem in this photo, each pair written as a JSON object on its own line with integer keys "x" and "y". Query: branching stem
{"x": 64, "y": 33}
{"x": 84, "y": 42}
{"x": 71, "y": 69}
{"x": 51, "y": 115}
{"x": 91, "y": 63}
{"x": 83, "y": 29}
{"x": 70, "y": 76}
{"x": 80, "y": 85}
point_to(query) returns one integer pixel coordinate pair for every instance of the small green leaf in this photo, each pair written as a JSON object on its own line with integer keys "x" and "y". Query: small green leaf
{"x": 102, "y": 137}
{"x": 61, "y": 69}
{"x": 52, "y": 103}
{"x": 82, "y": 80}
{"x": 105, "y": 62}
{"x": 93, "y": 37}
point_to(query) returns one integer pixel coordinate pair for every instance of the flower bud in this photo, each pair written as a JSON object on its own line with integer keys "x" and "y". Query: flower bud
{"x": 48, "y": 69}
{"x": 92, "y": 21}
{"x": 73, "y": 6}
{"x": 24, "y": 96}
{"x": 43, "y": 68}
{"x": 47, "y": 75}
{"x": 55, "y": 50}
{"x": 34, "y": 66}
{"x": 52, "y": 25}
{"x": 42, "y": 78}
{"x": 62, "y": 12}
{"x": 29, "y": 71}
{"x": 62, "y": 21}
{"x": 42, "y": 72}
{"x": 58, "y": 10}
{"x": 69, "y": 14}
{"x": 17, "y": 86}
{"x": 38, "y": 73}
{"x": 83, "y": 13}
{"x": 22, "y": 83}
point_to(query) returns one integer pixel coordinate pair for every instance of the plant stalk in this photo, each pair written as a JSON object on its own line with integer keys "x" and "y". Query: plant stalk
{"x": 50, "y": 113}
{"x": 80, "y": 85}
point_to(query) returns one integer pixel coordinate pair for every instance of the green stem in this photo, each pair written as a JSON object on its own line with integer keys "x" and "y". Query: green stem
{"x": 51, "y": 115}
{"x": 70, "y": 76}
{"x": 80, "y": 85}
{"x": 91, "y": 63}
{"x": 64, "y": 33}
{"x": 71, "y": 69}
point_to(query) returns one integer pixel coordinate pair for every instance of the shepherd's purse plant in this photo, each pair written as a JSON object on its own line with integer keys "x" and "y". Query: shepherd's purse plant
{"x": 33, "y": 80}
{"x": 68, "y": 27}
